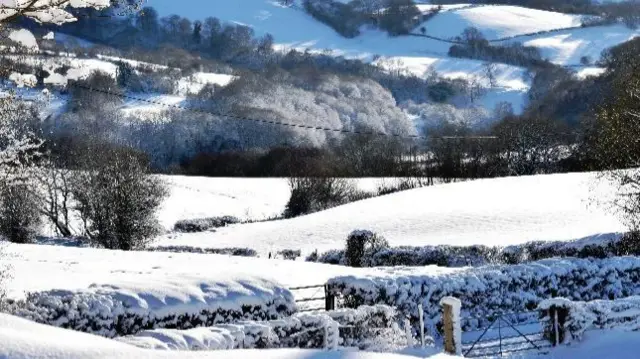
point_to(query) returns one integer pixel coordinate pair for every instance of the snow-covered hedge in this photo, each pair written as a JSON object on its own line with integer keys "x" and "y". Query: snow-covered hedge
{"x": 203, "y": 224}
{"x": 364, "y": 327}
{"x": 578, "y": 316}
{"x": 113, "y": 314}
{"x": 484, "y": 290}
{"x": 451, "y": 256}
{"x": 232, "y": 251}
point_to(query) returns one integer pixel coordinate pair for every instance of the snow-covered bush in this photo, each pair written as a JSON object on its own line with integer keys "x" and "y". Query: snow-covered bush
{"x": 361, "y": 247}
{"x": 334, "y": 256}
{"x": 289, "y": 254}
{"x": 312, "y": 194}
{"x": 230, "y": 251}
{"x": 493, "y": 288}
{"x": 364, "y": 327}
{"x": 111, "y": 315}
{"x": 573, "y": 319}
{"x": 117, "y": 199}
{"x": 454, "y": 256}
{"x": 576, "y": 317}
{"x": 203, "y": 224}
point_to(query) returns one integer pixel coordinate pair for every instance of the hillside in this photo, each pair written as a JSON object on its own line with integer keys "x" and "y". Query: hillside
{"x": 497, "y": 21}
{"x": 557, "y": 36}
{"x": 490, "y": 212}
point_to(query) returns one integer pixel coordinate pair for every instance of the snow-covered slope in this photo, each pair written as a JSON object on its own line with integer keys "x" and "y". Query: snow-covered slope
{"x": 569, "y": 46}
{"x": 245, "y": 198}
{"x": 498, "y": 21}
{"x": 293, "y": 28}
{"x": 490, "y": 212}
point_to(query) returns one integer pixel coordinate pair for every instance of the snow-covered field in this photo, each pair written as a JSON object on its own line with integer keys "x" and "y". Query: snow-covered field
{"x": 569, "y": 46}
{"x": 163, "y": 282}
{"x": 491, "y": 212}
{"x": 498, "y": 21}
{"x": 245, "y": 198}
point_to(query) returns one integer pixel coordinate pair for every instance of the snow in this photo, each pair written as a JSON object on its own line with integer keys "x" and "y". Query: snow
{"x": 498, "y": 21}
{"x": 161, "y": 281}
{"x": 22, "y": 339}
{"x": 23, "y": 80}
{"x": 292, "y": 28}
{"x": 245, "y": 198}
{"x": 585, "y": 72}
{"x": 568, "y": 47}
{"x": 494, "y": 212}
{"x": 196, "y": 82}
{"x": 158, "y": 283}
{"x": 24, "y": 38}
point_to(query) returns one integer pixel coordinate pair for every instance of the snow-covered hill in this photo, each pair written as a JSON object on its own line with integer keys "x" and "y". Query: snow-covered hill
{"x": 567, "y": 47}
{"x": 490, "y": 212}
{"x": 498, "y": 21}
{"x": 293, "y": 28}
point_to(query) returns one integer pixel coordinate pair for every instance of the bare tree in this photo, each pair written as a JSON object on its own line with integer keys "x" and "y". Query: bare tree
{"x": 117, "y": 199}
{"x": 618, "y": 149}
{"x": 490, "y": 69}
{"x": 19, "y": 214}
{"x": 312, "y": 194}
{"x": 19, "y": 145}
{"x": 5, "y": 276}
{"x": 55, "y": 196}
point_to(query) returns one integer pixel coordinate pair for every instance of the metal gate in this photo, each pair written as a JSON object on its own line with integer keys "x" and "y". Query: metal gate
{"x": 502, "y": 333}
{"x": 313, "y": 298}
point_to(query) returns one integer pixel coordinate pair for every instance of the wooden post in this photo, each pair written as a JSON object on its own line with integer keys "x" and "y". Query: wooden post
{"x": 451, "y": 324}
{"x": 329, "y": 299}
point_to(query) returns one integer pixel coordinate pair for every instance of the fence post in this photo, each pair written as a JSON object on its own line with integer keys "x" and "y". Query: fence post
{"x": 451, "y": 323}
{"x": 407, "y": 332}
{"x": 556, "y": 329}
{"x": 421, "y": 315}
{"x": 325, "y": 337}
{"x": 329, "y": 299}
